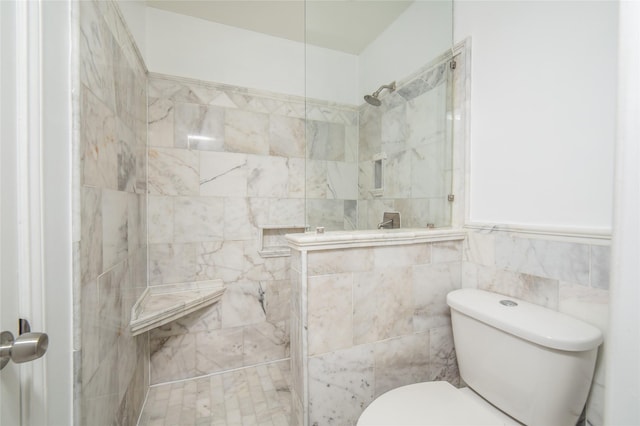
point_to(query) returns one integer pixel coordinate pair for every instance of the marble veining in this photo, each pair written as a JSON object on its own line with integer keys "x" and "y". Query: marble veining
{"x": 159, "y": 305}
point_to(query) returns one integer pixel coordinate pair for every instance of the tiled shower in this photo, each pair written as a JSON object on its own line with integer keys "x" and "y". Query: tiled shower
{"x": 179, "y": 180}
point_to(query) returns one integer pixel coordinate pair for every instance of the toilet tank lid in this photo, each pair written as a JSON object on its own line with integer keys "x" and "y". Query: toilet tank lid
{"x": 526, "y": 320}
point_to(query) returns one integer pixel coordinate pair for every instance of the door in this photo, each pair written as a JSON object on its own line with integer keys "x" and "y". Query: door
{"x": 36, "y": 102}
{"x": 9, "y": 300}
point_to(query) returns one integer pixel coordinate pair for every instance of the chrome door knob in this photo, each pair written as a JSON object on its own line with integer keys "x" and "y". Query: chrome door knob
{"x": 27, "y": 347}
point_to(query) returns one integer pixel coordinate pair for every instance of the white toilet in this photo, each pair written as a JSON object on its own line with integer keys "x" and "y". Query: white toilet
{"x": 534, "y": 364}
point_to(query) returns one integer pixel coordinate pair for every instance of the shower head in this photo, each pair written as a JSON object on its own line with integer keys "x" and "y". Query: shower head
{"x": 372, "y": 99}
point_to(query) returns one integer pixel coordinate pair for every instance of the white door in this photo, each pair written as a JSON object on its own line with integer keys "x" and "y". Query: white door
{"x": 10, "y": 397}
{"x": 34, "y": 161}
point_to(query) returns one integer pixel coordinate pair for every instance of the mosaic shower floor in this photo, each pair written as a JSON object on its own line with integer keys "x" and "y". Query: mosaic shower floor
{"x": 250, "y": 396}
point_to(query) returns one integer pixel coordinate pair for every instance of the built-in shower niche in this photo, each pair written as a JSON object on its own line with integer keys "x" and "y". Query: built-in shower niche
{"x": 273, "y": 242}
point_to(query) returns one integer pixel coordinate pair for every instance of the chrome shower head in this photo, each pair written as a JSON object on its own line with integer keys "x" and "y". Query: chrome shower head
{"x": 372, "y": 99}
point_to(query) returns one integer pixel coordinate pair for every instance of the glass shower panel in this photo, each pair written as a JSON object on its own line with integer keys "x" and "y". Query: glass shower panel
{"x": 393, "y": 152}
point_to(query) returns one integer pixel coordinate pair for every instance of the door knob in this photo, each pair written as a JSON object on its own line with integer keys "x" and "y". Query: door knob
{"x": 27, "y": 347}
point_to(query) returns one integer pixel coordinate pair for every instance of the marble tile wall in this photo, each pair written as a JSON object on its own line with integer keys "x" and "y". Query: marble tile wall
{"x": 411, "y": 132}
{"x": 370, "y": 319}
{"x": 332, "y": 166}
{"x": 109, "y": 222}
{"x": 561, "y": 274}
{"x": 224, "y": 162}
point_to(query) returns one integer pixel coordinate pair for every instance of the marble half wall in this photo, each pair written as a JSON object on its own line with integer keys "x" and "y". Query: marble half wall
{"x": 567, "y": 274}
{"x": 367, "y": 320}
{"x": 110, "y": 218}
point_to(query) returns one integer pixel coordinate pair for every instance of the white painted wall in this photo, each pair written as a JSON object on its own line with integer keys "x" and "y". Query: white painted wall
{"x": 190, "y": 47}
{"x": 543, "y": 107}
{"x": 135, "y": 15}
{"x": 194, "y": 48}
{"x": 419, "y": 35}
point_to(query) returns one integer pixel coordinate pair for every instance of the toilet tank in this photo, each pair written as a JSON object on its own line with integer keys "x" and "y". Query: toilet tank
{"x": 533, "y": 363}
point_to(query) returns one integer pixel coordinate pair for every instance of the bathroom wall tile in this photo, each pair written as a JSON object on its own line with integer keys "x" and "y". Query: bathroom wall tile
{"x": 480, "y": 248}
{"x": 242, "y": 305}
{"x": 448, "y": 251}
{"x": 265, "y": 342}
{"x": 267, "y": 177}
{"x": 442, "y": 356}
{"x": 161, "y": 131}
{"x": 534, "y": 289}
{"x": 428, "y": 171}
{"x": 172, "y": 263}
{"x": 223, "y": 174}
{"x": 370, "y": 133}
{"x": 382, "y": 304}
{"x": 397, "y": 175}
{"x": 351, "y": 140}
{"x": 100, "y": 390}
{"x": 550, "y": 259}
{"x": 110, "y": 286}
{"x": 242, "y": 216}
{"x": 600, "y": 266}
{"x": 588, "y": 304}
{"x": 316, "y": 179}
{"x": 277, "y": 300}
{"x": 325, "y": 141}
{"x": 350, "y": 215}
{"x": 173, "y": 172}
{"x": 136, "y": 222}
{"x": 98, "y": 134}
{"x": 199, "y": 127}
{"x": 114, "y": 227}
{"x": 365, "y": 179}
{"x": 338, "y": 261}
{"x": 126, "y": 158}
{"x": 426, "y": 115}
{"x": 91, "y": 244}
{"x": 160, "y": 219}
{"x": 330, "y": 313}
{"x": 401, "y": 361}
{"x": 218, "y": 350}
{"x": 258, "y": 268}
{"x": 205, "y": 319}
{"x": 172, "y": 358}
{"x": 286, "y": 136}
{"x": 405, "y": 255}
{"x": 326, "y": 213}
{"x": 340, "y": 376}
{"x": 96, "y": 53}
{"x": 246, "y": 132}
{"x": 431, "y": 284}
{"x": 286, "y": 211}
{"x": 220, "y": 260}
{"x": 296, "y": 181}
{"x": 394, "y": 130}
{"x": 198, "y": 219}
{"x": 341, "y": 178}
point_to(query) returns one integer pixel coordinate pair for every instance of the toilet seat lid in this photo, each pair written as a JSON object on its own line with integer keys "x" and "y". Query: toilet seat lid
{"x": 428, "y": 403}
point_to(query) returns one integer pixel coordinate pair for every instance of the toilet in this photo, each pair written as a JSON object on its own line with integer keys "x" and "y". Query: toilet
{"x": 523, "y": 364}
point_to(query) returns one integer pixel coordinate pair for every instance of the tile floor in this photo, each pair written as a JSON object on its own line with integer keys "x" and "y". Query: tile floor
{"x": 250, "y": 396}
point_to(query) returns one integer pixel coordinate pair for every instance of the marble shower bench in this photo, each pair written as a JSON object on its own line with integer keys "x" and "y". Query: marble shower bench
{"x": 161, "y": 304}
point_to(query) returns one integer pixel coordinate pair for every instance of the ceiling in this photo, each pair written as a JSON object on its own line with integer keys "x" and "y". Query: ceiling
{"x": 344, "y": 25}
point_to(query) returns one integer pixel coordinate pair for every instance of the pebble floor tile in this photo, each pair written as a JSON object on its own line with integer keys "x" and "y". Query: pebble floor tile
{"x": 252, "y": 396}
